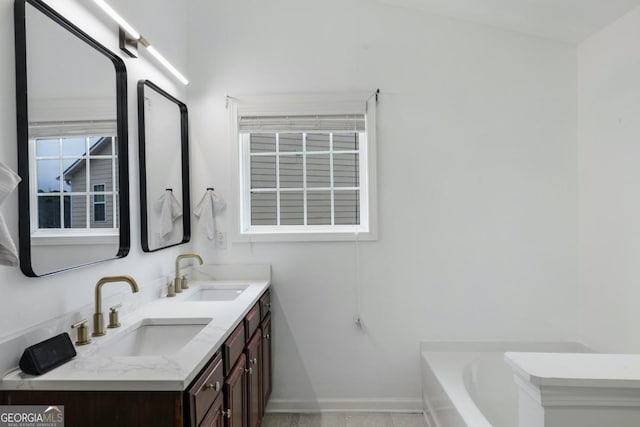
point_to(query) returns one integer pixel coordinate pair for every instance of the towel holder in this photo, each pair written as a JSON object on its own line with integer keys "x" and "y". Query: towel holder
{"x": 210, "y": 188}
{"x": 169, "y": 189}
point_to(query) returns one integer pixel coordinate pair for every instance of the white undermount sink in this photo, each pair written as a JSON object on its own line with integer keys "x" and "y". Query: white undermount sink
{"x": 155, "y": 337}
{"x": 218, "y": 293}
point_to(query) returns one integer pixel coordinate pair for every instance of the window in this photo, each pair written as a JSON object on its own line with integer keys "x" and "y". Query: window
{"x": 75, "y": 184}
{"x": 99, "y": 203}
{"x": 306, "y": 176}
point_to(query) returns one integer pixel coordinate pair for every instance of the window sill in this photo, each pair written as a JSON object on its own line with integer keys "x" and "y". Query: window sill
{"x": 50, "y": 239}
{"x": 257, "y": 237}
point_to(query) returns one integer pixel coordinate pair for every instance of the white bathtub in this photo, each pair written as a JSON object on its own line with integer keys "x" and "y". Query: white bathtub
{"x": 468, "y": 384}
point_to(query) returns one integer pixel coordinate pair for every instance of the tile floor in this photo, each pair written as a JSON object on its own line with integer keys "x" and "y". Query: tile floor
{"x": 344, "y": 420}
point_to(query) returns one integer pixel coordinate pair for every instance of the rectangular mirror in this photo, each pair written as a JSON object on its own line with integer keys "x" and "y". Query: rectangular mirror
{"x": 163, "y": 126}
{"x": 72, "y": 144}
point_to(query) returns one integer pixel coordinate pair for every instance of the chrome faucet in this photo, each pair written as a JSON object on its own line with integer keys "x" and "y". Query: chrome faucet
{"x": 98, "y": 320}
{"x": 180, "y": 284}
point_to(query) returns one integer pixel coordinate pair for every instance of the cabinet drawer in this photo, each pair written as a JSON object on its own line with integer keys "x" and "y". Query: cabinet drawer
{"x": 233, "y": 347}
{"x": 205, "y": 389}
{"x": 265, "y": 304}
{"x": 252, "y": 321}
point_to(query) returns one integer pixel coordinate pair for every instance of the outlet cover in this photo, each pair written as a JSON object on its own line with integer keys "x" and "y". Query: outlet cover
{"x": 221, "y": 240}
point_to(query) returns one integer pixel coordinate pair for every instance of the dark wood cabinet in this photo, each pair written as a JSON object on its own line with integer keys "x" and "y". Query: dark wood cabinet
{"x": 233, "y": 347}
{"x": 107, "y": 408}
{"x": 254, "y": 379}
{"x": 267, "y": 379}
{"x": 215, "y": 416}
{"x": 265, "y": 304}
{"x": 205, "y": 389}
{"x": 232, "y": 390}
{"x": 252, "y": 321}
{"x": 235, "y": 395}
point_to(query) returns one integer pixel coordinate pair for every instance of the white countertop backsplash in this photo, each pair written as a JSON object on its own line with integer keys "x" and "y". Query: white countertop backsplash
{"x": 90, "y": 370}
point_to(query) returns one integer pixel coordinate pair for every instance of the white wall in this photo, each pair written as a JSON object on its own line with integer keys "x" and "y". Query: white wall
{"x": 477, "y": 182}
{"x": 68, "y": 67}
{"x": 29, "y": 301}
{"x": 609, "y": 155}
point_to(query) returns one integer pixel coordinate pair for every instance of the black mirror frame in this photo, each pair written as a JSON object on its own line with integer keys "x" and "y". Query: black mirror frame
{"x": 142, "y": 146}
{"x": 24, "y": 223}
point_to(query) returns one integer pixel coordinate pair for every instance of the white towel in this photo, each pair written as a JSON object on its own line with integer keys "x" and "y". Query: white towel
{"x": 170, "y": 210}
{"x": 206, "y": 211}
{"x": 8, "y": 252}
{"x": 8, "y": 181}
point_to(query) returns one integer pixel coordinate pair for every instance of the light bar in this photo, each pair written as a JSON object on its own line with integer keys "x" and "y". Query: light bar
{"x": 135, "y": 38}
{"x": 119, "y": 19}
{"x": 167, "y": 64}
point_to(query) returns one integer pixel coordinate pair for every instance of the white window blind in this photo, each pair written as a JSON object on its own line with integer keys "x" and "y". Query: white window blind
{"x": 38, "y": 130}
{"x": 306, "y": 123}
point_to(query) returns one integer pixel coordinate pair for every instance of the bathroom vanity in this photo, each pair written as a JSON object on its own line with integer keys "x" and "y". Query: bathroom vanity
{"x": 200, "y": 359}
{"x": 193, "y": 359}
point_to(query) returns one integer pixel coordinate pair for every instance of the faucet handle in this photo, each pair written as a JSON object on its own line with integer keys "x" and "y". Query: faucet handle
{"x": 171, "y": 289}
{"x": 113, "y": 316}
{"x": 82, "y": 334}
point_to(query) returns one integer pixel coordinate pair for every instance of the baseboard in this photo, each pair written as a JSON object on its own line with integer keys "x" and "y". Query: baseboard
{"x": 345, "y": 405}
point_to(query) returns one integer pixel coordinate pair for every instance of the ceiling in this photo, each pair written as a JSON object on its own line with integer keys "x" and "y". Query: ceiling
{"x": 565, "y": 20}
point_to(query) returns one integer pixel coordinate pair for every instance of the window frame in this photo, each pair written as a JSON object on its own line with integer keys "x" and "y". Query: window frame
{"x": 73, "y": 236}
{"x": 103, "y": 193}
{"x": 357, "y": 103}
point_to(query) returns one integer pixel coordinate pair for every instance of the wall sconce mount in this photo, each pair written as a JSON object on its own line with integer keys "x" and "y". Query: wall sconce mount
{"x": 130, "y": 39}
{"x": 128, "y": 44}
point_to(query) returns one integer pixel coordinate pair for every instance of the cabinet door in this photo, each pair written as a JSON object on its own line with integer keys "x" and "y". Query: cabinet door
{"x": 214, "y": 416}
{"x": 235, "y": 395}
{"x": 267, "y": 379}
{"x": 254, "y": 380}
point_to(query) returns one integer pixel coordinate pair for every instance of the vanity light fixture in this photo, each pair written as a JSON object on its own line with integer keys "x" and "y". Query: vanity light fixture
{"x": 161, "y": 59}
{"x": 119, "y": 19}
{"x": 130, "y": 38}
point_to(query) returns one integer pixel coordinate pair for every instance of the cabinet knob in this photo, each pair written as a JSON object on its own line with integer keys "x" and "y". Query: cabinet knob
{"x": 267, "y": 337}
{"x": 227, "y": 413}
{"x": 249, "y": 371}
{"x": 254, "y": 361}
{"x": 268, "y": 305}
{"x": 214, "y": 387}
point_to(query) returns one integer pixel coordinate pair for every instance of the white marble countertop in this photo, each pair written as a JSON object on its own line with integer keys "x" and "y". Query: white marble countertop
{"x": 91, "y": 370}
{"x": 577, "y": 369}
